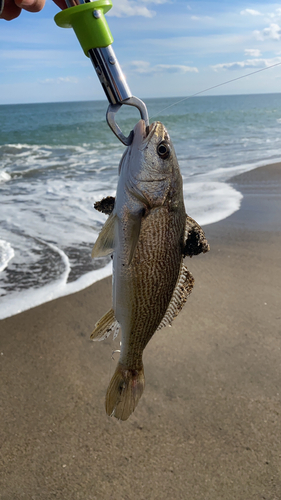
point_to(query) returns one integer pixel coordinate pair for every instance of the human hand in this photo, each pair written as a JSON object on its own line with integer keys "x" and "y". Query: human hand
{"x": 13, "y": 8}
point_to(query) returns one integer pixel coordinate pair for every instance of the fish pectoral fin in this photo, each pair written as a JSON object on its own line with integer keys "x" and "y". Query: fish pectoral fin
{"x": 134, "y": 227}
{"x": 106, "y": 239}
{"x": 124, "y": 391}
{"x": 106, "y": 205}
{"x": 105, "y": 326}
{"x": 195, "y": 241}
{"x": 182, "y": 290}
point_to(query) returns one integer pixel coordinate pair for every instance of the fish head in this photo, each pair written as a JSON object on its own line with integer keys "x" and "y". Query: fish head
{"x": 150, "y": 165}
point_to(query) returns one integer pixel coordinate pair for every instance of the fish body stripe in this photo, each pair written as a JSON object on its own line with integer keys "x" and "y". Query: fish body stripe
{"x": 148, "y": 283}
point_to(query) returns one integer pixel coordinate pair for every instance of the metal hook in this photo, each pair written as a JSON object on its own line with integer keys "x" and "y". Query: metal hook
{"x": 114, "y": 108}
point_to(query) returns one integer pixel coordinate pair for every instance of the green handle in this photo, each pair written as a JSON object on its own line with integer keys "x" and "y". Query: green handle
{"x": 92, "y": 31}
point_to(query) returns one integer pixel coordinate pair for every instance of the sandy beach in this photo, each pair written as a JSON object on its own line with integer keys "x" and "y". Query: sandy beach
{"x": 208, "y": 424}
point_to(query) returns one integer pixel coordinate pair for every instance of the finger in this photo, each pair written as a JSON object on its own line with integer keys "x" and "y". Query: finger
{"x": 30, "y": 5}
{"x": 10, "y": 11}
{"x": 60, "y": 3}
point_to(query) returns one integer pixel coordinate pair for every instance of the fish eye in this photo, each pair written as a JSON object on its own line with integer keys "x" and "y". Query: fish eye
{"x": 163, "y": 150}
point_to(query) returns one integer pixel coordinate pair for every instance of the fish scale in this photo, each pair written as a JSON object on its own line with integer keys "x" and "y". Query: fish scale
{"x": 153, "y": 276}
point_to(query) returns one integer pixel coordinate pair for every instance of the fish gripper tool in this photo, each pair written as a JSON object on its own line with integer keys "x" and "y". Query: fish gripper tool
{"x": 88, "y": 21}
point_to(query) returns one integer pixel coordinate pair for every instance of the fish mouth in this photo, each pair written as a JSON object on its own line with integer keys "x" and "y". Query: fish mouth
{"x": 151, "y": 130}
{"x": 143, "y": 134}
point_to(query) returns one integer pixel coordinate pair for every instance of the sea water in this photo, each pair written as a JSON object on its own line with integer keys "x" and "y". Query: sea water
{"x": 57, "y": 159}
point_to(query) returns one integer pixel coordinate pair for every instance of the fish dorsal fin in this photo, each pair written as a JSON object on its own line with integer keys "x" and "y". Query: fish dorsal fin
{"x": 105, "y": 326}
{"x": 106, "y": 239}
{"x": 106, "y": 205}
{"x": 182, "y": 290}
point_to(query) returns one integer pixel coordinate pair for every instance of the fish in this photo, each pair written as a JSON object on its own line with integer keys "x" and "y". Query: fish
{"x": 148, "y": 235}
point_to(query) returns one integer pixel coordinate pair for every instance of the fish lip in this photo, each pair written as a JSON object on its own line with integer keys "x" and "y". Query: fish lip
{"x": 146, "y": 138}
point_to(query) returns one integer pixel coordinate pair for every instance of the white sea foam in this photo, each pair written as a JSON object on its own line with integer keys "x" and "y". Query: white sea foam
{"x": 6, "y": 254}
{"x": 65, "y": 259}
{"x": 201, "y": 201}
{"x": 4, "y": 176}
{"x": 21, "y": 301}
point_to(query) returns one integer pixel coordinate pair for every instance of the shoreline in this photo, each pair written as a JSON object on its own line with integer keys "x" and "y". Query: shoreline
{"x": 54, "y": 291}
{"x": 208, "y": 422}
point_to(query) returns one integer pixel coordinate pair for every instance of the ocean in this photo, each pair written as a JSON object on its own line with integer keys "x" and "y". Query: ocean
{"x": 57, "y": 159}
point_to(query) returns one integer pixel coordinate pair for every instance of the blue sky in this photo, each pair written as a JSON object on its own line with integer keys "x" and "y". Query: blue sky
{"x": 165, "y": 48}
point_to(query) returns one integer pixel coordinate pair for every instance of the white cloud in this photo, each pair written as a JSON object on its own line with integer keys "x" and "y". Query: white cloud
{"x": 201, "y": 18}
{"x": 175, "y": 68}
{"x": 248, "y": 63}
{"x": 273, "y": 32}
{"x": 252, "y": 52}
{"x": 144, "y": 67}
{"x": 154, "y": 1}
{"x": 128, "y": 8}
{"x": 251, "y": 12}
{"x": 275, "y": 15}
{"x": 21, "y": 59}
{"x": 42, "y": 56}
{"x": 59, "y": 80}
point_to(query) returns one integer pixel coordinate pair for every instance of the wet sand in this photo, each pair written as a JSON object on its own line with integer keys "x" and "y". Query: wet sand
{"x": 208, "y": 425}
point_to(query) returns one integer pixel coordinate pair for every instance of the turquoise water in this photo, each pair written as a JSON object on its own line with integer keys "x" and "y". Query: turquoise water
{"x": 57, "y": 159}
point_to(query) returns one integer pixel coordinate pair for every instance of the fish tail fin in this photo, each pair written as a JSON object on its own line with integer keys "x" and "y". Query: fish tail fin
{"x": 124, "y": 391}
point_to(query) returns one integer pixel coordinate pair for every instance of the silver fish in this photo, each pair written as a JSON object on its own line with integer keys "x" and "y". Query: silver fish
{"x": 149, "y": 234}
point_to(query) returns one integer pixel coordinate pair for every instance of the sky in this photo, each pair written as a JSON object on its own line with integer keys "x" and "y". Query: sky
{"x": 166, "y": 48}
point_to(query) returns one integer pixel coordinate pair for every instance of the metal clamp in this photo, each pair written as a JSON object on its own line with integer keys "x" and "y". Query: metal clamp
{"x": 116, "y": 89}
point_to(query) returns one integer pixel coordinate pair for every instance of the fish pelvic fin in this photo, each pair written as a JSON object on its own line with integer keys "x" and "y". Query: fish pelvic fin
{"x": 105, "y": 326}
{"x": 182, "y": 290}
{"x": 106, "y": 239}
{"x": 124, "y": 391}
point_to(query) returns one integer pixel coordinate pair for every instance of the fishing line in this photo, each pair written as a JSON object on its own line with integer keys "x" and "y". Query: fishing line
{"x": 216, "y": 86}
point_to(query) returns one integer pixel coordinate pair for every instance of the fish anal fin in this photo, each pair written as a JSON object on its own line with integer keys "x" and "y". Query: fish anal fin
{"x": 106, "y": 205}
{"x": 106, "y": 239}
{"x": 105, "y": 326}
{"x": 124, "y": 391}
{"x": 195, "y": 241}
{"x": 182, "y": 290}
